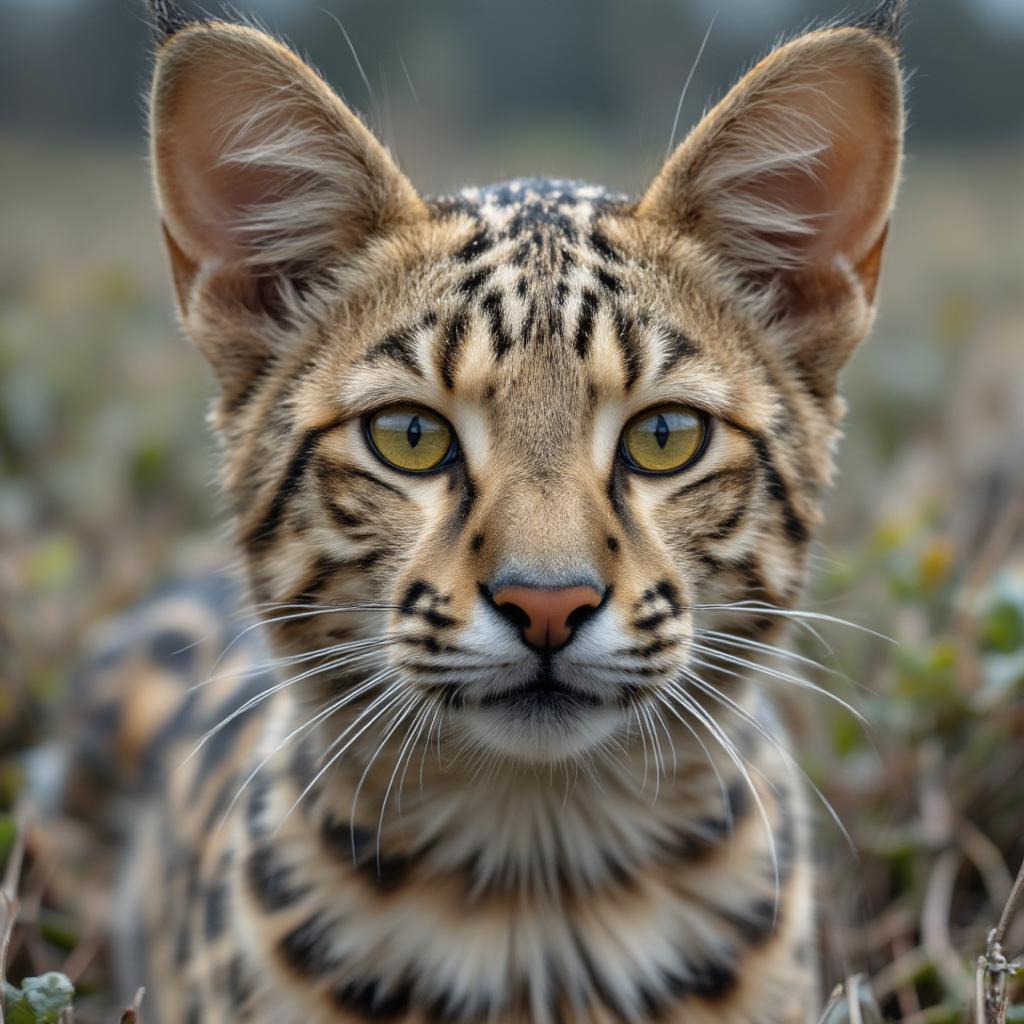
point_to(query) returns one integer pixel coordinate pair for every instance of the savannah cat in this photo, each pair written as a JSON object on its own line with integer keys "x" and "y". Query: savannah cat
{"x": 523, "y": 480}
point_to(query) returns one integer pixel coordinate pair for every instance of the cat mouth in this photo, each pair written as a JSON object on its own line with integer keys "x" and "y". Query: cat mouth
{"x": 543, "y": 692}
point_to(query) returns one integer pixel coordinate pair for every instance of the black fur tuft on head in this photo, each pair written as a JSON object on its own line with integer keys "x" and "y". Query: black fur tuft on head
{"x": 885, "y": 20}
{"x": 168, "y": 18}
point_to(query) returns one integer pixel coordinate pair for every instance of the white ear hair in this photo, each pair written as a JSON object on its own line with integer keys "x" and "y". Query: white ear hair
{"x": 790, "y": 180}
{"x": 265, "y": 180}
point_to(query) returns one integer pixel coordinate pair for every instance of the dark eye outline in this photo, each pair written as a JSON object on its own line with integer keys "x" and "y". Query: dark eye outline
{"x": 707, "y": 427}
{"x": 449, "y": 457}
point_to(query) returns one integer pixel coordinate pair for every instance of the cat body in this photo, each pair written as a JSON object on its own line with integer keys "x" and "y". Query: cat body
{"x": 523, "y": 481}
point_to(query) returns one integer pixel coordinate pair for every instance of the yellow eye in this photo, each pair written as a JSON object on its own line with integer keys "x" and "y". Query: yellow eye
{"x": 664, "y": 439}
{"x": 410, "y": 437}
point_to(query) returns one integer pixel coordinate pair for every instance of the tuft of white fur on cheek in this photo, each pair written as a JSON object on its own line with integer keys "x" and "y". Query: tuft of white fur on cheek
{"x": 595, "y": 662}
{"x": 488, "y": 638}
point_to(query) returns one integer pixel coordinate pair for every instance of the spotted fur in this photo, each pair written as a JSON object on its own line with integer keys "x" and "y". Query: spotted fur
{"x": 403, "y": 812}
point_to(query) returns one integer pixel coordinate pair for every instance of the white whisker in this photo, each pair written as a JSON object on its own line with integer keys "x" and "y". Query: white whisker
{"x": 745, "y": 643}
{"x": 326, "y": 712}
{"x": 785, "y": 677}
{"x": 308, "y": 611}
{"x": 270, "y": 692}
{"x": 733, "y": 754}
{"x": 391, "y": 696}
{"x": 746, "y": 716}
{"x": 761, "y": 608}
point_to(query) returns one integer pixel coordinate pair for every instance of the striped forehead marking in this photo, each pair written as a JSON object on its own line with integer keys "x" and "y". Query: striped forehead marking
{"x": 536, "y": 273}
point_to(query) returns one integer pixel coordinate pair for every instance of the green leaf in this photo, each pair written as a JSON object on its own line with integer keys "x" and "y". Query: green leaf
{"x": 1002, "y": 622}
{"x": 7, "y": 834}
{"x": 40, "y": 1001}
{"x": 11, "y": 994}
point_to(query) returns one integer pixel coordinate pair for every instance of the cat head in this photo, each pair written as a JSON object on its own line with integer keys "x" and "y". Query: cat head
{"x": 511, "y": 454}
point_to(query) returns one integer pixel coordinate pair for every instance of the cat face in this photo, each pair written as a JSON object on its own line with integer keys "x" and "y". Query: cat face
{"x": 507, "y": 457}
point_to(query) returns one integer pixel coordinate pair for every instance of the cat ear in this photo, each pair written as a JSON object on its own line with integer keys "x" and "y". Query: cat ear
{"x": 790, "y": 182}
{"x": 266, "y": 182}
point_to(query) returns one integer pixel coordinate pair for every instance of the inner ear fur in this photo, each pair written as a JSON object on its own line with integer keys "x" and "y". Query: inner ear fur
{"x": 265, "y": 183}
{"x": 790, "y": 181}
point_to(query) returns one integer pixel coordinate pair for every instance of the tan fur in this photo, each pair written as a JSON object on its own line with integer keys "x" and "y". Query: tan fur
{"x": 643, "y": 853}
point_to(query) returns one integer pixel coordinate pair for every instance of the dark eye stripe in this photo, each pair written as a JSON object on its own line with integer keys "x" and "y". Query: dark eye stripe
{"x": 265, "y": 531}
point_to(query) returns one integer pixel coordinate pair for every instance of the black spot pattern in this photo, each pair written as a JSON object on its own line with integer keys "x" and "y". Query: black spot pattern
{"x": 271, "y": 881}
{"x": 306, "y": 948}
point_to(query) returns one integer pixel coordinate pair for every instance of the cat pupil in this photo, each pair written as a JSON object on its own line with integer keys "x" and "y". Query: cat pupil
{"x": 414, "y": 432}
{"x": 661, "y": 432}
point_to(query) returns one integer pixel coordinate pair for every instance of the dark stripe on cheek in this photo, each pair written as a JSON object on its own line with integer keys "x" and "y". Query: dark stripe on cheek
{"x": 463, "y": 483}
{"x": 416, "y": 590}
{"x": 361, "y": 474}
{"x": 325, "y": 569}
{"x": 728, "y": 525}
{"x": 795, "y": 527}
{"x": 256, "y": 809}
{"x": 266, "y": 530}
{"x": 756, "y": 923}
{"x": 618, "y": 482}
{"x": 741, "y": 476}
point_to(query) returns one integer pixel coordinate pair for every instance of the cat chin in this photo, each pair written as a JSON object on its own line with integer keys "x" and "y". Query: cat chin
{"x": 530, "y": 732}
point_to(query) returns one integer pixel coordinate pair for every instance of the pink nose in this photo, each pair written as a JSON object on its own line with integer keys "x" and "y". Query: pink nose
{"x": 546, "y": 618}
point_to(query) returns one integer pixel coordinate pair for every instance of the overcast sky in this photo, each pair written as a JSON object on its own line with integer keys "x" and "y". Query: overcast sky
{"x": 1003, "y": 13}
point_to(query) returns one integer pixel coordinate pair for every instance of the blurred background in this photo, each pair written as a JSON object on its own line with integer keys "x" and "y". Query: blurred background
{"x": 107, "y": 470}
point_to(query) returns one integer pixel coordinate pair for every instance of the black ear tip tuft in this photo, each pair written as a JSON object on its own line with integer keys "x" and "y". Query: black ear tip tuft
{"x": 168, "y": 18}
{"x": 885, "y": 20}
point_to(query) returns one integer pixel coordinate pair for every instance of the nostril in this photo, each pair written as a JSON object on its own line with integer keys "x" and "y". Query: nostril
{"x": 513, "y": 613}
{"x": 547, "y": 618}
{"x": 579, "y": 615}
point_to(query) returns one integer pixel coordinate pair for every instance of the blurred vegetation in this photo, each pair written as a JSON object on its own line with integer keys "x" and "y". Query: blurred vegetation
{"x": 107, "y": 470}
